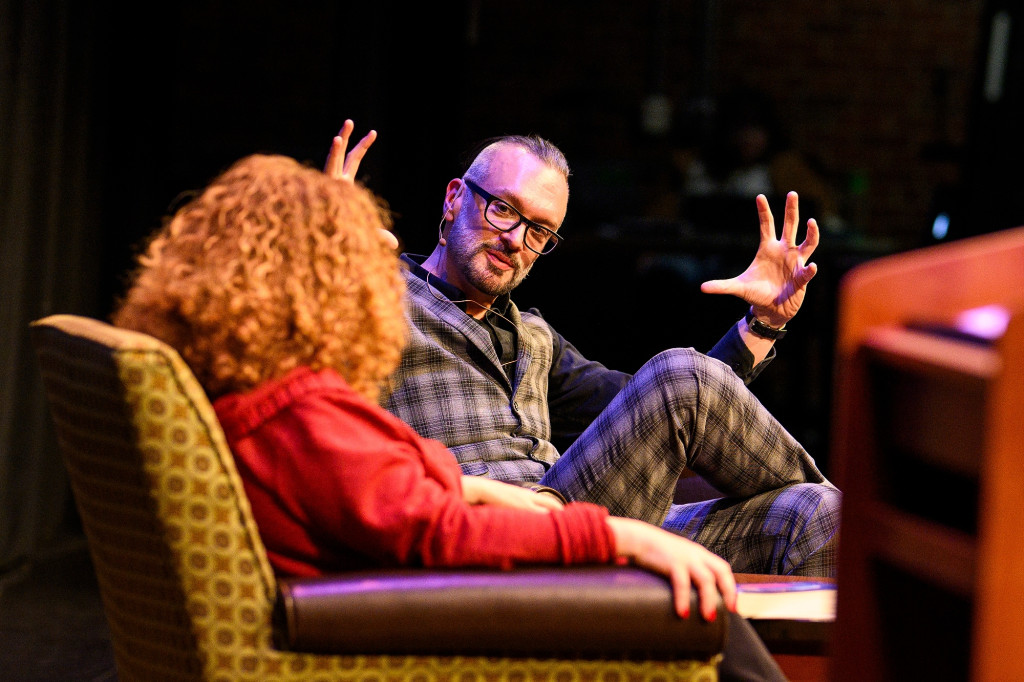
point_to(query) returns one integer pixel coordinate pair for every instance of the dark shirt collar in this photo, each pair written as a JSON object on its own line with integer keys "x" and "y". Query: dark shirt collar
{"x": 449, "y": 291}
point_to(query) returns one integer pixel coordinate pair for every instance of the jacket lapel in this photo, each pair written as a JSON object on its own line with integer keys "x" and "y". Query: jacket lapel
{"x": 452, "y": 315}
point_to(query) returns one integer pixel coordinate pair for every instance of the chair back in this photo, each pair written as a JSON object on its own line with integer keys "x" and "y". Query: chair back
{"x": 186, "y": 585}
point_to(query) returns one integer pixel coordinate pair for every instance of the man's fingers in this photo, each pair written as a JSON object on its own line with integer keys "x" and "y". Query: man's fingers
{"x": 335, "y": 158}
{"x": 719, "y": 286}
{"x": 355, "y": 157}
{"x": 810, "y": 242}
{"x": 338, "y": 163}
{"x": 346, "y": 130}
{"x": 389, "y": 238}
{"x": 789, "y": 224}
{"x": 805, "y": 274}
{"x": 764, "y": 216}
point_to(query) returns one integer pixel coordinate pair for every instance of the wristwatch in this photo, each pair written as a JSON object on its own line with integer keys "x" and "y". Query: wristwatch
{"x": 761, "y": 329}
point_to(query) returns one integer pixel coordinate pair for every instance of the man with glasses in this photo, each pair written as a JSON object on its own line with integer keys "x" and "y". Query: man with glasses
{"x": 497, "y": 385}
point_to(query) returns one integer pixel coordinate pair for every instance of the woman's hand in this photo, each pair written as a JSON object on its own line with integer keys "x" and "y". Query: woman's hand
{"x": 683, "y": 561}
{"x": 479, "y": 490}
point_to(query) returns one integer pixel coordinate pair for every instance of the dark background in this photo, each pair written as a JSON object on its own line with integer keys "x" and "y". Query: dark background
{"x": 110, "y": 111}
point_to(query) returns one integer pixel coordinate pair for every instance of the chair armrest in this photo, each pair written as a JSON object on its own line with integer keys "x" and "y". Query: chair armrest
{"x": 573, "y": 612}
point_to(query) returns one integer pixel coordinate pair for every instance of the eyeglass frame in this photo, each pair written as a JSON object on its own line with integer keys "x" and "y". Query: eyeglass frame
{"x": 553, "y": 237}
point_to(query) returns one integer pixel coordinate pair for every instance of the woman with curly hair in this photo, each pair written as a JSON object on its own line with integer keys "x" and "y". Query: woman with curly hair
{"x": 278, "y": 290}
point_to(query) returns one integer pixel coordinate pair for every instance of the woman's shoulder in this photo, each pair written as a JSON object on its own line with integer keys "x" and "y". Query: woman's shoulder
{"x": 301, "y": 386}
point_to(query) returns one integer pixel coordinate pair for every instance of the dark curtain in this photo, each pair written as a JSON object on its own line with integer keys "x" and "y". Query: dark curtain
{"x": 47, "y": 249}
{"x": 109, "y": 111}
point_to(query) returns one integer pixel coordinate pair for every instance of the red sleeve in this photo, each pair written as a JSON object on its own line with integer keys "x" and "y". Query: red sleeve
{"x": 357, "y": 476}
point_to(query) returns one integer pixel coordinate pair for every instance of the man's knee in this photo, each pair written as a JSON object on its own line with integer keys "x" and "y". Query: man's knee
{"x": 817, "y": 503}
{"x": 828, "y": 510}
{"x": 812, "y": 512}
{"x": 683, "y": 377}
{"x": 682, "y": 366}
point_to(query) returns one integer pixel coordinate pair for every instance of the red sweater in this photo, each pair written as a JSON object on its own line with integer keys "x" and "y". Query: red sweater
{"x": 336, "y": 482}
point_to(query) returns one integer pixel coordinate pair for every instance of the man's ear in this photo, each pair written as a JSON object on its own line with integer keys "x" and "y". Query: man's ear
{"x": 452, "y": 195}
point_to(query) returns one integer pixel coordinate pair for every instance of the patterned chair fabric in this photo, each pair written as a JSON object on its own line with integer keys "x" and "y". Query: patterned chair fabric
{"x": 186, "y": 585}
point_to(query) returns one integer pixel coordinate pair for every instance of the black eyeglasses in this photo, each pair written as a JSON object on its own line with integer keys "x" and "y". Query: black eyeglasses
{"x": 504, "y": 217}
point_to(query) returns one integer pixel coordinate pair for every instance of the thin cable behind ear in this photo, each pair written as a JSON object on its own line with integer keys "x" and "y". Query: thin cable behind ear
{"x": 442, "y": 298}
{"x": 440, "y": 228}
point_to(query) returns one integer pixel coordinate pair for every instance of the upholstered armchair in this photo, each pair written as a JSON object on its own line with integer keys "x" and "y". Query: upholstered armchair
{"x": 189, "y": 594}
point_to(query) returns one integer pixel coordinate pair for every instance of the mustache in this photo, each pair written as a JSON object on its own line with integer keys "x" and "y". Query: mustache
{"x": 512, "y": 256}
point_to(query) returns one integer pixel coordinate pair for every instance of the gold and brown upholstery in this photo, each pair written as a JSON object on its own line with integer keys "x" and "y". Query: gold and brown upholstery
{"x": 186, "y": 585}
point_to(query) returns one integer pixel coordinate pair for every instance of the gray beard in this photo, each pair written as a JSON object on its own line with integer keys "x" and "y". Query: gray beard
{"x": 487, "y": 285}
{"x": 479, "y": 276}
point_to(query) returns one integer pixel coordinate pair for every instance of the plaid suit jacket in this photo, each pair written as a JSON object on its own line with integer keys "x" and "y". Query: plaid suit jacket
{"x": 450, "y": 386}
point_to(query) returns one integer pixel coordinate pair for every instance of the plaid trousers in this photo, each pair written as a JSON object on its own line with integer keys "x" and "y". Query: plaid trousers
{"x": 686, "y": 410}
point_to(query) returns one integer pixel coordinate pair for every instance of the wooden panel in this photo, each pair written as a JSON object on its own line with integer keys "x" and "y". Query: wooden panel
{"x": 932, "y": 284}
{"x": 930, "y": 457}
{"x": 938, "y": 554}
{"x": 999, "y": 629}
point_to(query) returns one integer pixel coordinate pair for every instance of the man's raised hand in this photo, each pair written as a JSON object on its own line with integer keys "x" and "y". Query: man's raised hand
{"x": 776, "y": 281}
{"x": 344, "y": 166}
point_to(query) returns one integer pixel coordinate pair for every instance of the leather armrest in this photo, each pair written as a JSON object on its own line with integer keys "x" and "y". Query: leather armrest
{"x": 572, "y": 612}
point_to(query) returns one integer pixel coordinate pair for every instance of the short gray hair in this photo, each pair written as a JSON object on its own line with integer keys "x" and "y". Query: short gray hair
{"x": 543, "y": 149}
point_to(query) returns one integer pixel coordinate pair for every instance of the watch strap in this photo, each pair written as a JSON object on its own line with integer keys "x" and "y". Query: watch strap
{"x": 759, "y": 328}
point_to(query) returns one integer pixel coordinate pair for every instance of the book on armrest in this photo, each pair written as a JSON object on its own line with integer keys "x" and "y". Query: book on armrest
{"x": 812, "y": 600}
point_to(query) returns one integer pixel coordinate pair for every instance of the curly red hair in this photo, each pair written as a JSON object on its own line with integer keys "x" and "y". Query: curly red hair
{"x": 274, "y": 266}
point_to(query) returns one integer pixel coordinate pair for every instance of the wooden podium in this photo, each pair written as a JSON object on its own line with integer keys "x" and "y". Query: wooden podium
{"x": 929, "y": 453}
